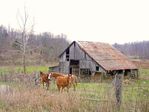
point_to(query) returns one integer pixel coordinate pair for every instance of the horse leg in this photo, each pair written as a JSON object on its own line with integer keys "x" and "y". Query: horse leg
{"x": 43, "y": 84}
{"x": 47, "y": 85}
{"x": 67, "y": 89}
{"x": 62, "y": 89}
{"x": 59, "y": 88}
{"x": 74, "y": 87}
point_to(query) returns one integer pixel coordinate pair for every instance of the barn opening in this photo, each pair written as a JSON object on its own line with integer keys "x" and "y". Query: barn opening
{"x": 74, "y": 67}
{"x": 85, "y": 73}
{"x": 67, "y": 55}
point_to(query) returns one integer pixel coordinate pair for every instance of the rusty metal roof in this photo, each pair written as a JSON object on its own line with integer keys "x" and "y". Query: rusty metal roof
{"x": 106, "y": 55}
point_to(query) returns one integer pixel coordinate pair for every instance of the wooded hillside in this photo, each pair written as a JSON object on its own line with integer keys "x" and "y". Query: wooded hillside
{"x": 41, "y": 49}
{"x": 135, "y": 49}
{"x": 45, "y": 47}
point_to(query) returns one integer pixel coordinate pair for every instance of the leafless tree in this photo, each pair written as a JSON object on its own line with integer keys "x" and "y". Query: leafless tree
{"x": 25, "y": 31}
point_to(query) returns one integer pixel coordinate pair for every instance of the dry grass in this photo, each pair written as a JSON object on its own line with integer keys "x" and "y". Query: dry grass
{"x": 37, "y": 99}
{"x": 24, "y": 96}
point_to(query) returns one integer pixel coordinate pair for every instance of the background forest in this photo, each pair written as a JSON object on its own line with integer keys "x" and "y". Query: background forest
{"x": 45, "y": 48}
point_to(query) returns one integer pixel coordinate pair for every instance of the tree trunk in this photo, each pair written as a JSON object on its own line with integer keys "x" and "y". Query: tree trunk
{"x": 24, "y": 64}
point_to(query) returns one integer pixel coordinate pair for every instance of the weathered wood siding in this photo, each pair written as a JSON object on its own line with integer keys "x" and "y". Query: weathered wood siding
{"x": 76, "y": 53}
{"x": 79, "y": 54}
{"x": 72, "y": 52}
{"x": 63, "y": 57}
{"x": 64, "y": 67}
{"x": 90, "y": 65}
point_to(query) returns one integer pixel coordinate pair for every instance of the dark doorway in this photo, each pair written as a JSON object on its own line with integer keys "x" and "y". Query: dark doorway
{"x": 70, "y": 70}
{"x": 74, "y": 67}
{"x": 74, "y": 62}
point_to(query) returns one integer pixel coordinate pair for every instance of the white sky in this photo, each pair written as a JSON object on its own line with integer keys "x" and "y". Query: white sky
{"x": 108, "y": 21}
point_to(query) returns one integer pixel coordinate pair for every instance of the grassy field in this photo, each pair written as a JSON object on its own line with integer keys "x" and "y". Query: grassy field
{"x": 19, "y": 69}
{"x": 24, "y": 96}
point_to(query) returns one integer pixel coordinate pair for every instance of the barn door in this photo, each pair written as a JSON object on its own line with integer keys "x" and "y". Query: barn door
{"x": 74, "y": 67}
{"x": 75, "y": 71}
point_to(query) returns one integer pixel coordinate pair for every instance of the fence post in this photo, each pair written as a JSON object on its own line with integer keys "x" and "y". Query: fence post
{"x": 118, "y": 89}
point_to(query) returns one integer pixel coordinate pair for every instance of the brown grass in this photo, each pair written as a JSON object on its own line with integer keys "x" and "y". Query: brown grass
{"x": 32, "y": 99}
{"x": 25, "y": 97}
{"x": 38, "y": 100}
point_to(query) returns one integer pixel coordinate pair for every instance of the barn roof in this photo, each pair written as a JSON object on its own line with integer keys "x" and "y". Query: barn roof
{"x": 106, "y": 56}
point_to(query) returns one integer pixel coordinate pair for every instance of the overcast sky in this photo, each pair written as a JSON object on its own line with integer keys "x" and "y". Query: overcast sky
{"x": 111, "y": 21}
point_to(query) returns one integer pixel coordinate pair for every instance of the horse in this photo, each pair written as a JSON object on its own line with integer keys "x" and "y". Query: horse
{"x": 73, "y": 79}
{"x": 63, "y": 81}
{"x": 44, "y": 78}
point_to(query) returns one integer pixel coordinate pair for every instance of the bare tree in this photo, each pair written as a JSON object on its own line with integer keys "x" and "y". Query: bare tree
{"x": 25, "y": 31}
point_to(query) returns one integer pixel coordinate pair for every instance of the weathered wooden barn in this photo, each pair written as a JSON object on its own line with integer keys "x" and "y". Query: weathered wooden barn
{"x": 84, "y": 58}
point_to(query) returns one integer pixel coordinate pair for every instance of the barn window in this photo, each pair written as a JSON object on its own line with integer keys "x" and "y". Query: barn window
{"x": 97, "y": 68}
{"x": 67, "y": 54}
{"x": 85, "y": 72}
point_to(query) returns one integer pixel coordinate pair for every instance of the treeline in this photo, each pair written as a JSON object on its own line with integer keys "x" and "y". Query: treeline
{"x": 135, "y": 49}
{"x": 43, "y": 48}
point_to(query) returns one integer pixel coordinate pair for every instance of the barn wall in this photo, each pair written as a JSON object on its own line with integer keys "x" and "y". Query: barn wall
{"x": 71, "y": 52}
{"x": 79, "y": 54}
{"x": 63, "y": 57}
{"x": 64, "y": 67}
{"x": 75, "y": 53}
{"x": 90, "y": 65}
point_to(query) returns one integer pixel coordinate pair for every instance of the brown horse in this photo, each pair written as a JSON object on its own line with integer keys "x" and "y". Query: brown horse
{"x": 73, "y": 78}
{"x": 44, "y": 78}
{"x": 63, "y": 82}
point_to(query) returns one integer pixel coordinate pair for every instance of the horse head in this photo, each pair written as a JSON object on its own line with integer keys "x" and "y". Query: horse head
{"x": 70, "y": 78}
{"x": 41, "y": 73}
{"x": 44, "y": 78}
{"x": 49, "y": 76}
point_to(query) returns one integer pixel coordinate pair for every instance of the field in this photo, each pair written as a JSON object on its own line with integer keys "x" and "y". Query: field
{"x": 18, "y": 69}
{"x": 19, "y": 94}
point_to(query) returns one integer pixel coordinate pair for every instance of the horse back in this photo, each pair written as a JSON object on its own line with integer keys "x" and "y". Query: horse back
{"x": 61, "y": 80}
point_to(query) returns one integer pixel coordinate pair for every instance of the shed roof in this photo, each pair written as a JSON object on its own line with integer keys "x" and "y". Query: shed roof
{"x": 106, "y": 55}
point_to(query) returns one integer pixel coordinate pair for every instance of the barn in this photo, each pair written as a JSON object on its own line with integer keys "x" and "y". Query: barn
{"x": 84, "y": 58}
